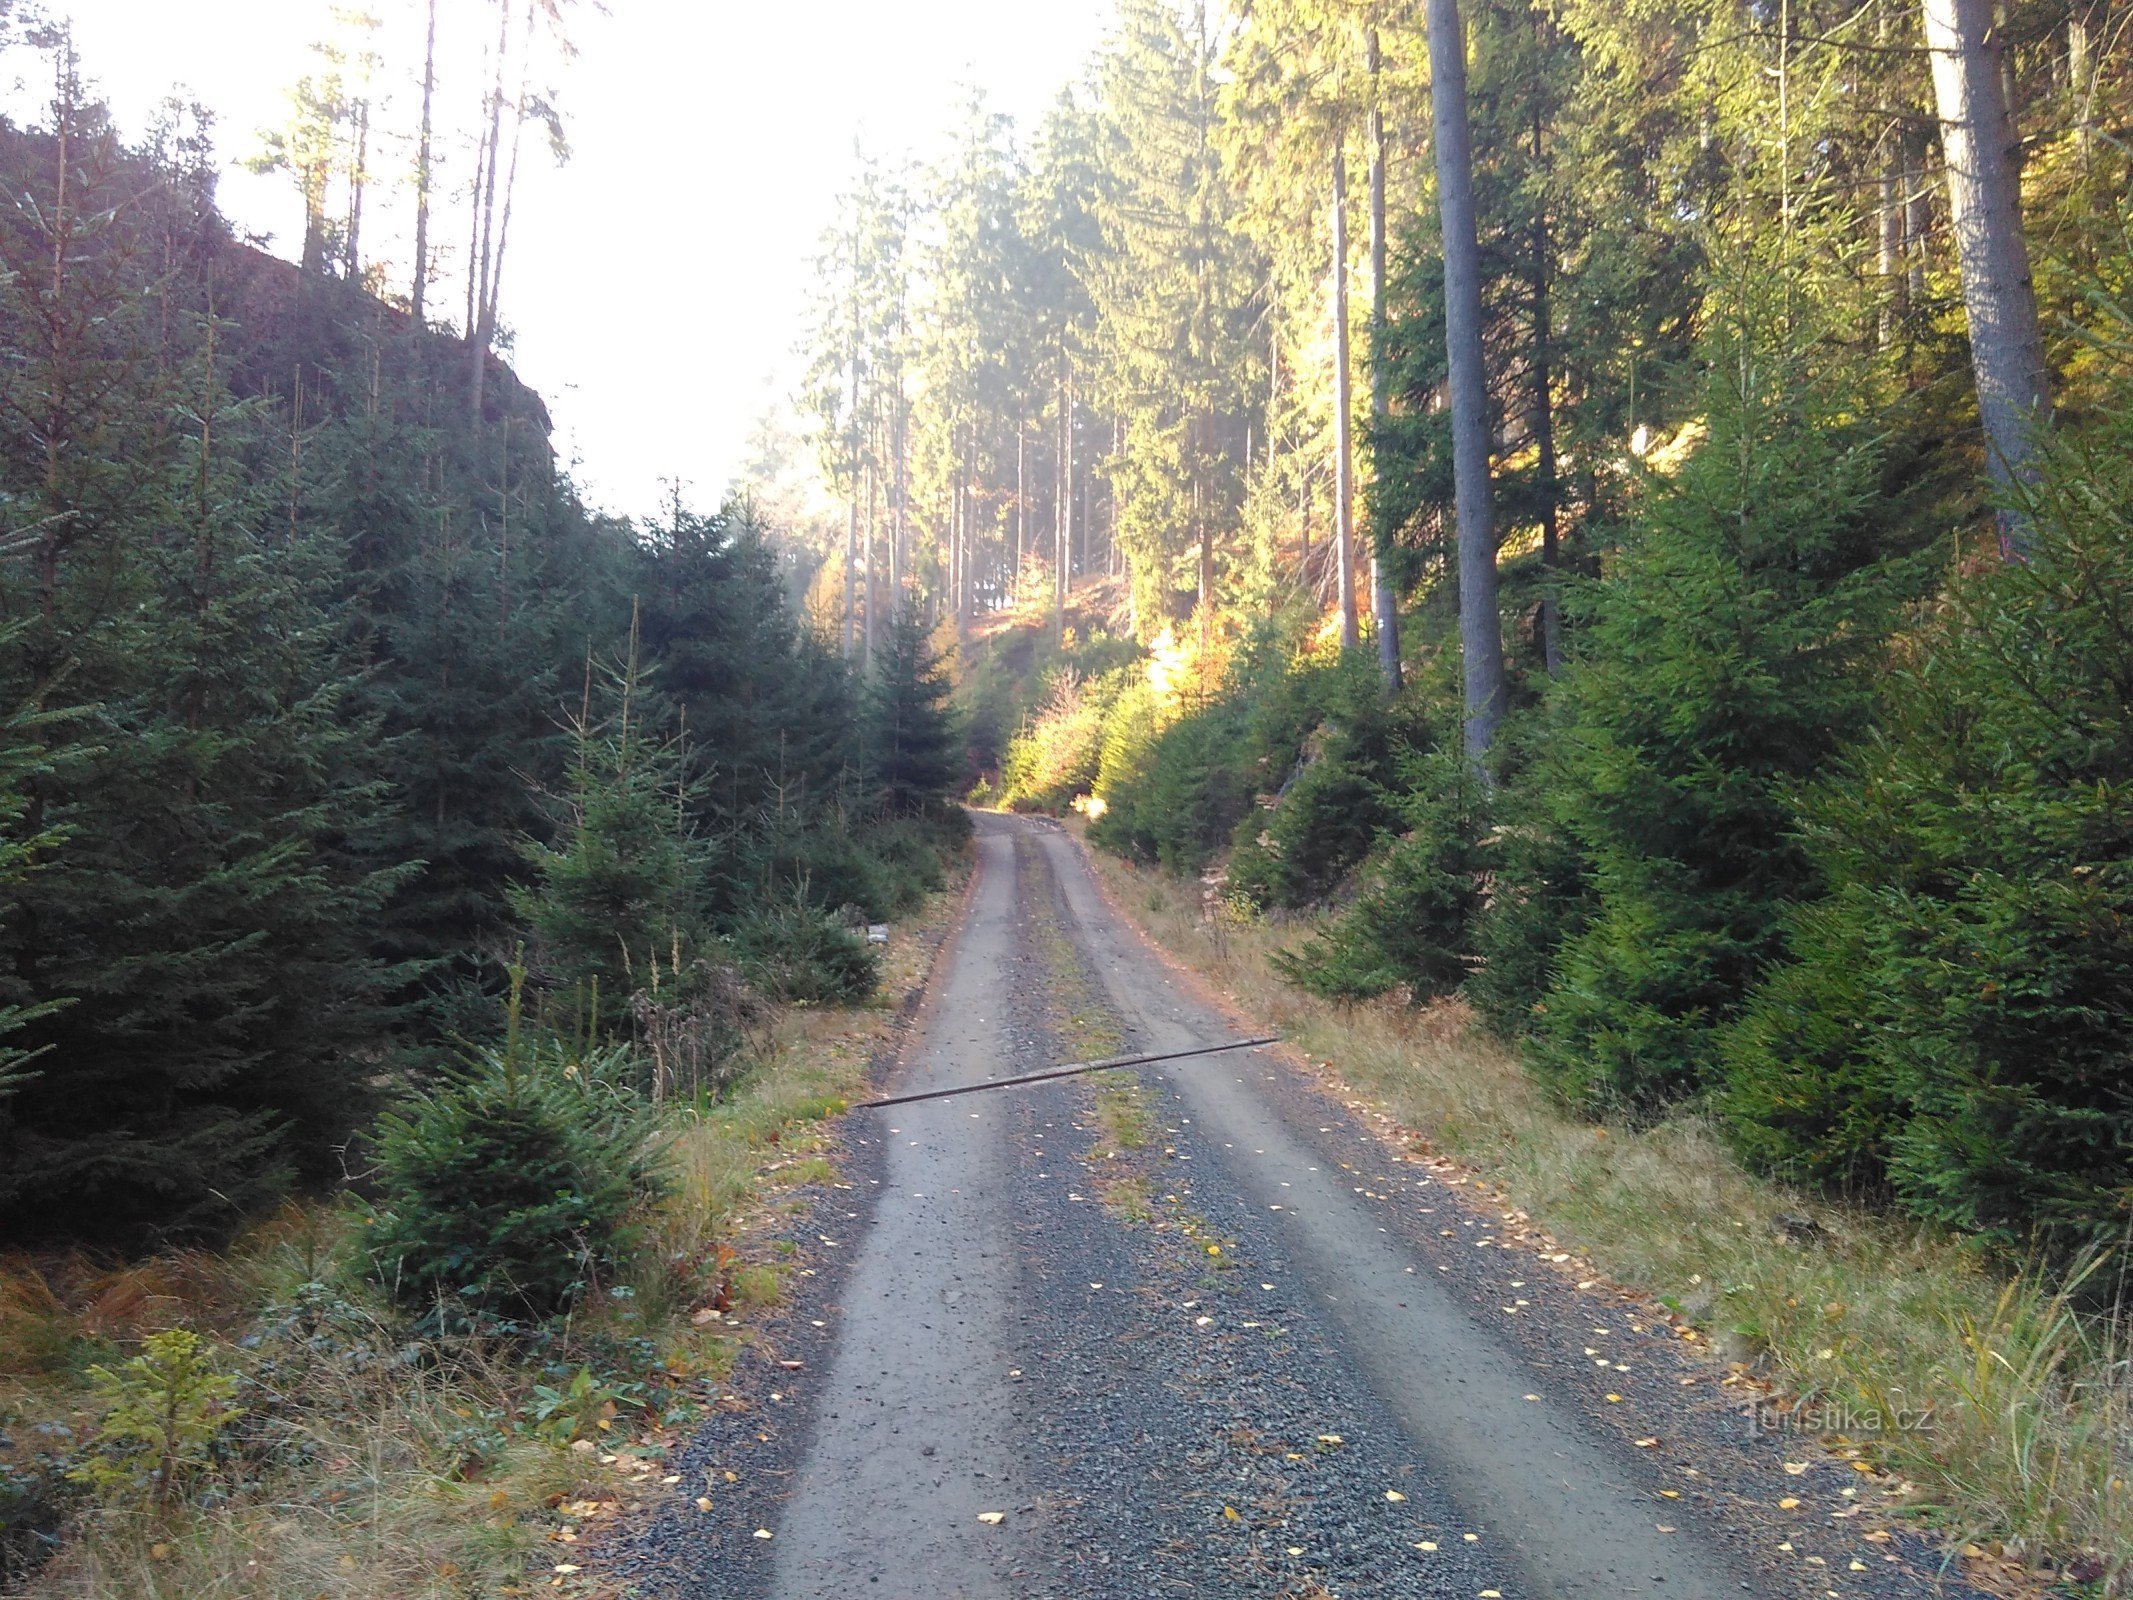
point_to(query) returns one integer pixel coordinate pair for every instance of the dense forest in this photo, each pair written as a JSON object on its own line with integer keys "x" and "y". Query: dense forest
{"x": 1624, "y": 522}
{"x": 331, "y": 713}
{"x": 1602, "y": 530}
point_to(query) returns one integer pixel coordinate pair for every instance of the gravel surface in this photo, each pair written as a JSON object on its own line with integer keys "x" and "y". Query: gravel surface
{"x": 1255, "y": 1349}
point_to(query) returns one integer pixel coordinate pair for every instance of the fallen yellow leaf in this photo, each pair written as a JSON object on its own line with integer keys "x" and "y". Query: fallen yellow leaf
{"x": 1425, "y": 1544}
{"x": 703, "y": 1502}
{"x": 1795, "y": 1468}
{"x": 762, "y": 1533}
{"x": 990, "y": 1518}
{"x": 1646, "y": 1444}
{"x": 1231, "y": 1514}
{"x": 1614, "y": 1399}
{"x": 1789, "y": 1503}
{"x": 1394, "y": 1495}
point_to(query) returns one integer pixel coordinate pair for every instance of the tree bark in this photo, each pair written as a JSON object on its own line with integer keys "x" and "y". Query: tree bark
{"x": 1544, "y": 427}
{"x": 1890, "y": 217}
{"x": 1480, "y": 629}
{"x": 1384, "y": 603}
{"x": 420, "y": 287}
{"x": 1985, "y": 211}
{"x": 1343, "y": 406}
{"x": 1063, "y": 557}
{"x": 478, "y": 271}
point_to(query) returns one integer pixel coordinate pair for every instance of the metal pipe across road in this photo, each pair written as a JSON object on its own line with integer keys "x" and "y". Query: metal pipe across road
{"x": 1068, "y": 1071}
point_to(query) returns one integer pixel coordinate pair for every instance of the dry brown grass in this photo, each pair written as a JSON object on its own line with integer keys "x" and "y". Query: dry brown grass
{"x": 2031, "y": 1438}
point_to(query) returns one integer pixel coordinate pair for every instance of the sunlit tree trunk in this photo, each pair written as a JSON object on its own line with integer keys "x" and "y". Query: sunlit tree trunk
{"x": 1385, "y": 603}
{"x": 1985, "y": 213}
{"x": 1343, "y": 408}
{"x": 1480, "y": 629}
{"x": 1544, "y": 424}
{"x": 1063, "y": 552}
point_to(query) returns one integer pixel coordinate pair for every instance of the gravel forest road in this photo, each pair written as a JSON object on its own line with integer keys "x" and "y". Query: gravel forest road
{"x": 1203, "y": 1330}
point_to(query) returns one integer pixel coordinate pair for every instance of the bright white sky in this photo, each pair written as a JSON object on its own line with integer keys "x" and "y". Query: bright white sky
{"x": 657, "y": 282}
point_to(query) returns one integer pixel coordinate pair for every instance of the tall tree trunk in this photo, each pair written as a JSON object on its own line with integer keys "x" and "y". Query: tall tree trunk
{"x": 1985, "y": 211}
{"x": 2081, "y": 84}
{"x": 871, "y": 636}
{"x": 358, "y": 178}
{"x": 1544, "y": 424}
{"x": 1343, "y": 409}
{"x": 1205, "y": 525}
{"x": 1480, "y": 629}
{"x": 1384, "y": 603}
{"x": 1889, "y": 217}
{"x": 1021, "y": 495}
{"x": 900, "y": 501}
{"x": 1917, "y": 215}
{"x": 855, "y": 442}
{"x": 1063, "y": 557}
{"x": 1273, "y": 391}
{"x": 419, "y": 289}
{"x": 478, "y": 329}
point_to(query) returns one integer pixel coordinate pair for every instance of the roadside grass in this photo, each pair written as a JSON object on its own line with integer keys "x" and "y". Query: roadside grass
{"x": 367, "y": 1467}
{"x": 1852, "y": 1316}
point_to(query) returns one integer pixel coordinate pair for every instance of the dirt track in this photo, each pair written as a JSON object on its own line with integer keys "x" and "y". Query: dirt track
{"x": 1248, "y": 1350}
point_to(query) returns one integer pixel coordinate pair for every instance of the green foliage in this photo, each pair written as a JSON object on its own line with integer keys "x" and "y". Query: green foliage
{"x": 512, "y": 1188}
{"x": 1957, "y": 1019}
{"x": 1059, "y": 750}
{"x": 1719, "y": 663}
{"x": 624, "y": 880}
{"x": 163, "y": 1412}
{"x": 794, "y": 951}
{"x": 913, "y": 756}
{"x": 573, "y": 1411}
{"x": 1171, "y": 794}
{"x": 1412, "y": 924}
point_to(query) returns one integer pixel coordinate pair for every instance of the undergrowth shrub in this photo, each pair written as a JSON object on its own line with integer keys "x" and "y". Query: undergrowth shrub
{"x": 163, "y": 1412}
{"x": 794, "y": 951}
{"x": 512, "y": 1188}
{"x": 1171, "y": 793}
{"x": 1960, "y": 1013}
{"x": 1720, "y": 662}
{"x": 1056, "y": 753}
{"x": 697, "y": 1030}
{"x": 1412, "y": 924}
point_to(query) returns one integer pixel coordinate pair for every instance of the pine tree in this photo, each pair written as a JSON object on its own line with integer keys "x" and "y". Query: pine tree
{"x": 768, "y": 711}
{"x": 1954, "y": 1024}
{"x": 1174, "y": 294}
{"x": 1720, "y": 664}
{"x": 621, "y": 888}
{"x": 208, "y": 924}
{"x": 913, "y": 752}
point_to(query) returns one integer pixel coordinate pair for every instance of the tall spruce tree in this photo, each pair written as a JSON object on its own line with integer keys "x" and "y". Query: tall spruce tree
{"x": 913, "y": 749}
